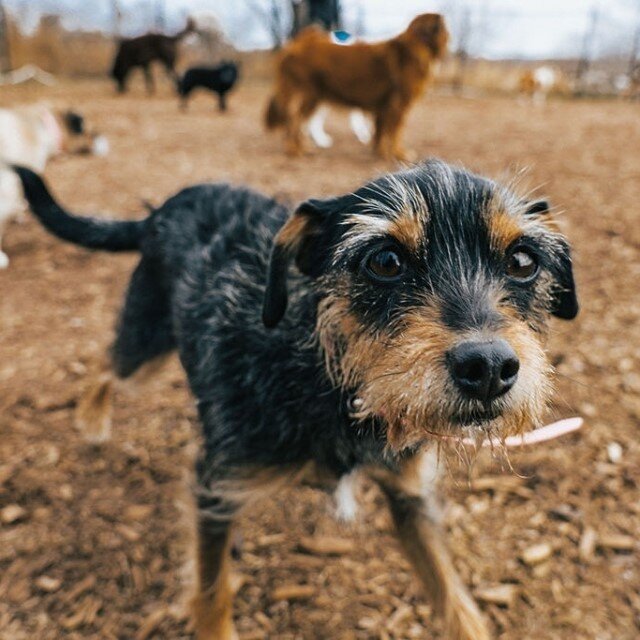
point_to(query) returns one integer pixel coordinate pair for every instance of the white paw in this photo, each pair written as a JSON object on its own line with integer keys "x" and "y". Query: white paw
{"x": 4, "y": 260}
{"x": 324, "y": 142}
{"x": 360, "y": 126}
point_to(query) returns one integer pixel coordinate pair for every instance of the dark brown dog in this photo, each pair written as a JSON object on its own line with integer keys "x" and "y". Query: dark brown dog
{"x": 383, "y": 78}
{"x": 142, "y": 51}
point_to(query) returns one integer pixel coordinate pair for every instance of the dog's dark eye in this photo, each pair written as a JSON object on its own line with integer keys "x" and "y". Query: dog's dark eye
{"x": 385, "y": 265}
{"x": 522, "y": 265}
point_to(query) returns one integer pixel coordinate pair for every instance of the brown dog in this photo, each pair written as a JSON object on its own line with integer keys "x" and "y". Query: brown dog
{"x": 383, "y": 78}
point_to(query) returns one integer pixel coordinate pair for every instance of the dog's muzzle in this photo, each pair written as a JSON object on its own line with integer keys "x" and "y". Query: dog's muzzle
{"x": 483, "y": 371}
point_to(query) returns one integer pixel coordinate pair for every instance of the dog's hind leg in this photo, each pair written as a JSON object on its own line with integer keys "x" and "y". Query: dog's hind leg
{"x": 410, "y": 497}
{"x": 387, "y": 135}
{"x": 148, "y": 79}
{"x": 360, "y": 126}
{"x": 222, "y": 101}
{"x": 298, "y": 118}
{"x": 316, "y": 128}
{"x": 144, "y": 335}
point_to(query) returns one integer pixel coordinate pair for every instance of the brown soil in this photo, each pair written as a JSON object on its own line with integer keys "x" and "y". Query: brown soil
{"x": 96, "y": 545}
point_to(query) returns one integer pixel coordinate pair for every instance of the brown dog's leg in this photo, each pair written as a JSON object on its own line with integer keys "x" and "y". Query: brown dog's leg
{"x": 422, "y": 541}
{"x": 213, "y": 603}
{"x": 389, "y": 124}
{"x": 293, "y": 131}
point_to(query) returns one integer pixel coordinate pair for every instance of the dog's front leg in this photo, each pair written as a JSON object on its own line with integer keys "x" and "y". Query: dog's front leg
{"x": 422, "y": 541}
{"x": 213, "y": 602}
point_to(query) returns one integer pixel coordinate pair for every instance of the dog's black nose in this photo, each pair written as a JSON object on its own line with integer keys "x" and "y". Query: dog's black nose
{"x": 484, "y": 370}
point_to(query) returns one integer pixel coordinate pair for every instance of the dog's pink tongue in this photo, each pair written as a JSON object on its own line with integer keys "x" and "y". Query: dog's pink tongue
{"x": 548, "y": 432}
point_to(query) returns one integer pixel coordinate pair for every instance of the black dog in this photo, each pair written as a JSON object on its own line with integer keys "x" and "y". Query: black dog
{"x": 142, "y": 51}
{"x": 220, "y": 79}
{"x": 417, "y": 313}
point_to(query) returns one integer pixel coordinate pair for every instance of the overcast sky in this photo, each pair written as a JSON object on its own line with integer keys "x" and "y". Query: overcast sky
{"x": 500, "y": 28}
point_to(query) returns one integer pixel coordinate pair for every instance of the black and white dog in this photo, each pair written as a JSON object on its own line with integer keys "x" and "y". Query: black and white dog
{"x": 219, "y": 79}
{"x": 416, "y": 314}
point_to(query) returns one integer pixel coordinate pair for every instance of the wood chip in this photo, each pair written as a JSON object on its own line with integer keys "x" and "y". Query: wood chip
{"x": 368, "y": 623}
{"x": 85, "y": 613}
{"x": 506, "y": 484}
{"x": 537, "y": 553}
{"x": 491, "y": 483}
{"x": 6, "y": 471}
{"x": 617, "y": 542}
{"x": 79, "y": 588}
{"x": 12, "y": 513}
{"x": 270, "y": 540}
{"x": 138, "y": 511}
{"x": 587, "y": 545}
{"x": 614, "y": 452}
{"x": 402, "y": 613}
{"x": 151, "y": 623}
{"x": 127, "y": 532}
{"x": 47, "y": 583}
{"x": 326, "y": 546}
{"x": 293, "y": 592}
{"x": 503, "y": 595}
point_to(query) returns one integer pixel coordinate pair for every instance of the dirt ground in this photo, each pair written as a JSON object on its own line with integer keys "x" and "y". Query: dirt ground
{"x": 93, "y": 542}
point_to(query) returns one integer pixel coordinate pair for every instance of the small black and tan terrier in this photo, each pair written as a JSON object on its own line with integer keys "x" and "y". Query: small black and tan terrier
{"x": 416, "y": 313}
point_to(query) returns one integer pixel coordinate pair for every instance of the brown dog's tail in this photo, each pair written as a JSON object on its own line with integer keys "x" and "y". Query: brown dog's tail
{"x": 276, "y": 114}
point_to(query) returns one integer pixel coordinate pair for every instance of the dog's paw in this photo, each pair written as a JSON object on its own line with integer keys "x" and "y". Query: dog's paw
{"x": 4, "y": 260}
{"x": 324, "y": 142}
{"x": 93, "y": 413}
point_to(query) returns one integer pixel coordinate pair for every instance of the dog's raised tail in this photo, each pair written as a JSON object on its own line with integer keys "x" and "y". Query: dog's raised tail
{"x": 92, "y": 233}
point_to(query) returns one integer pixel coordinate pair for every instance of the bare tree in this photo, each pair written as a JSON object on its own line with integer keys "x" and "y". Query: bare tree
{"x": 462, "y": 49}
{"x": 160, "y": 16}
{"x": 116, "y": 17}
{"x": 274, "y": 16}
{"x": 326, "y": 13}
{"x": 584, "y": 63}
{"x": 635, "y": 48}
{"x": 5, "y": 49}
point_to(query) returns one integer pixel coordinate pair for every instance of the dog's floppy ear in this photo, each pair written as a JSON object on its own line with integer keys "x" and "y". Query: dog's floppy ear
{"x": 303, "y": 238}
{"x": 564, "y": 302}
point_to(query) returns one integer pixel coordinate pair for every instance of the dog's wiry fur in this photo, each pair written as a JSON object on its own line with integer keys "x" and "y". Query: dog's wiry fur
{"x": 383, "y": 78}
{"x": 323, "y": 363}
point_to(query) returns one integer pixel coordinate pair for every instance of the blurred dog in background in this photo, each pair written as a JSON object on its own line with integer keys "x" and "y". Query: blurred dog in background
{"x": 142, "y": 51}
{"x": 383, "y": 79}
{"x": 357, "y": 120}
{"x": 536, "y": 84}
{"x": 29, "y": 136}
{"x": 219, "y": 79}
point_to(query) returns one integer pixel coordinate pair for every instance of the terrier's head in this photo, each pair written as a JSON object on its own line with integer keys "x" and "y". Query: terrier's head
{"x": 434, "y": 290}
